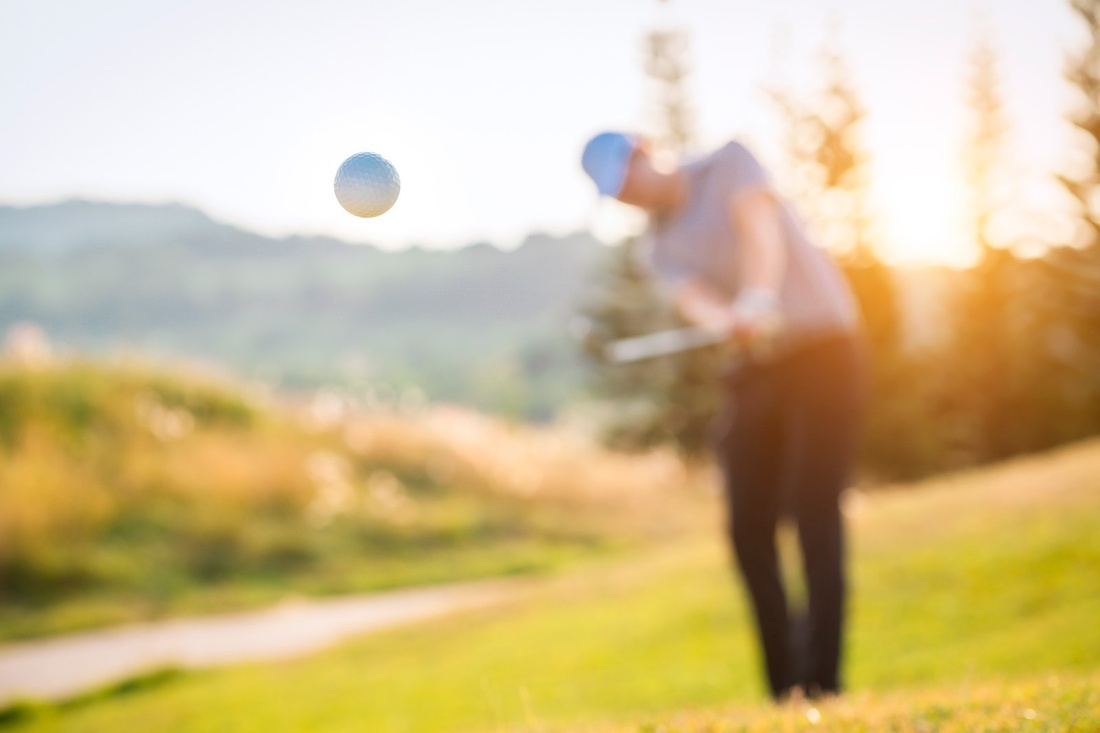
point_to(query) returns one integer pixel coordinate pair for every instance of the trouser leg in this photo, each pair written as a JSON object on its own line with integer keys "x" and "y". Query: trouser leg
{"x": 823, "y": 437}
{"x": 821, "y": 537}
{"x": 750, "y": 454}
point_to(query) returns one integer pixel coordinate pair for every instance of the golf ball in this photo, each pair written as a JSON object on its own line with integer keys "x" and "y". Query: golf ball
{"x": 367, "y": 184}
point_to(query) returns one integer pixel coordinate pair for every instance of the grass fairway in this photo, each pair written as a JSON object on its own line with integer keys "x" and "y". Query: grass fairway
{"x": 968, "y": 594}
{"x": 1055, "y": 702}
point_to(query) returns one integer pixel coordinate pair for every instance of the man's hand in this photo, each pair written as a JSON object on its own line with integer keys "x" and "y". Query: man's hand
{"x": 751, "y": 322}
{"x": 754, "y": 319}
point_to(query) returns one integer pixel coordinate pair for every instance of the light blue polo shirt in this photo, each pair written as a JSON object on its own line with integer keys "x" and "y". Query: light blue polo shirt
{"x": 699, "y": 241}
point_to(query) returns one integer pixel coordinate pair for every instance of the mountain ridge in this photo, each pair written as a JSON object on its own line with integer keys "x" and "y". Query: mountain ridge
{"x": 170, "y": 280}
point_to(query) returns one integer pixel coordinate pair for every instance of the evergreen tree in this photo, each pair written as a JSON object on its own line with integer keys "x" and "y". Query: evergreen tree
{"x": 985, "y": 364}
{"x": 844, "y": 210}
{"x": 653, "y": 402}
{"x": 671, "y": 399}
{"x": 1072, "y": 282}
{"x": 666, "y": 64}
{"x": 832, "y": 184}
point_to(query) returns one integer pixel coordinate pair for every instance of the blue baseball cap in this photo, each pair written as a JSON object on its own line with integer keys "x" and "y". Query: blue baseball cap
{"x": 606, "y": 158}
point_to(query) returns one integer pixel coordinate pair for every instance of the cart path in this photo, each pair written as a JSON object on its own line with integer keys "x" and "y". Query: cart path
{"x": 62, "y": 666}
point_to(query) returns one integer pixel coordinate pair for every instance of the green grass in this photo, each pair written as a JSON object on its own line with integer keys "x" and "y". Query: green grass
{"x": 1053, "y": 702}
{"x": 968, "y": 594}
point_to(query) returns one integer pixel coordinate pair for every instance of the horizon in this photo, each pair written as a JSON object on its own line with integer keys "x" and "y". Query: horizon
{"x": 505, "y": 248}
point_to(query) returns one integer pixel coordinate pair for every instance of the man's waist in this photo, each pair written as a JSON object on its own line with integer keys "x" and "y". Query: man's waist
{"x": 789, "y": 351}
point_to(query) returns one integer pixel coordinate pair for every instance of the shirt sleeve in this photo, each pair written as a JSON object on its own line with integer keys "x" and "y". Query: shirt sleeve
{"x": 742, "y": 172}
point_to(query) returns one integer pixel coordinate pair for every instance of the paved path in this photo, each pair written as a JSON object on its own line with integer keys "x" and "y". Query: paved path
{"x": 62, "y": 666}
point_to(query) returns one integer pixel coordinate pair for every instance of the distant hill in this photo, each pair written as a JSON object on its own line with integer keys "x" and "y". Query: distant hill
{"x": 478, "y": 325}
{"x": 73, "y": 225}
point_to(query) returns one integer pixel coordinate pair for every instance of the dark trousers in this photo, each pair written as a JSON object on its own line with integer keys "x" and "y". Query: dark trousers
{"x": 786, "y": 445}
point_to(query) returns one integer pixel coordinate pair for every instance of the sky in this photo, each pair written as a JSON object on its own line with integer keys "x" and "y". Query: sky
{"x": 246, "y": 108}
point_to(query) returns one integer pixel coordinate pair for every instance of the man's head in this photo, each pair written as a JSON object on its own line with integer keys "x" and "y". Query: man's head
{"x": 620, "y": 166}
{"x": 606, "y": 160}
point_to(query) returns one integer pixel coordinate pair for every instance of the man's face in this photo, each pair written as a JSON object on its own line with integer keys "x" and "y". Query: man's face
{"x": 640, "y": 188}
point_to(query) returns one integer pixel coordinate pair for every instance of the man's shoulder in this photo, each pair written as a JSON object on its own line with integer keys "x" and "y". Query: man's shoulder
{"x": 734, "y": 151}
{"x": 731, "y": 155}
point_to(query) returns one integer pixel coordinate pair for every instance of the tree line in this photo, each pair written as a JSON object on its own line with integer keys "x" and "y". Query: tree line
{"x": 1015, "y": 363}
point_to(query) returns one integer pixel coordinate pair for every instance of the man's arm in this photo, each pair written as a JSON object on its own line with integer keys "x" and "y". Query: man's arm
{"x": 756, "y": 218}
{"x": 703, "y": 305}
{"x": 758, "y": 221}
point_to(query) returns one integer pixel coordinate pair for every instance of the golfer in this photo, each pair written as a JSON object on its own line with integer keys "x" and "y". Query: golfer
{"x": 738, "y": 262}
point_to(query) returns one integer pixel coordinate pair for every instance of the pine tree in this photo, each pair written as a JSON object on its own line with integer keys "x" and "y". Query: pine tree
{"x": 846, "y": 220}
{"x": 832, "y": 185}
{"x": 666, "y": 401}
{"x": 672, "y": 399}
{"x": 666, "y": 64}
{"x": 1072, "y": 282}
{"x": 983, "y": 371}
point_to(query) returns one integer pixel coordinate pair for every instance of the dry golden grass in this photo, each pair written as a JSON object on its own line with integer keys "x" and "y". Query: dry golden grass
{"x": 543, "y": 467}
{"x": 1068, "y": 702}
{"x": 158, "y": 483}
{"x": 966, "y": 501}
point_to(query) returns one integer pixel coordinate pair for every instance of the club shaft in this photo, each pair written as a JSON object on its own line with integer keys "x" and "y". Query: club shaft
{"x": 661, "y": 343}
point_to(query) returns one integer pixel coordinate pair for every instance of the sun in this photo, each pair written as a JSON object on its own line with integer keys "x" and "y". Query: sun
{"x": 922, "y": 211}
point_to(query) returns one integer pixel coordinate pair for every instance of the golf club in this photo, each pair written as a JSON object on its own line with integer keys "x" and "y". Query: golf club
{"x": 661, "y": 343}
